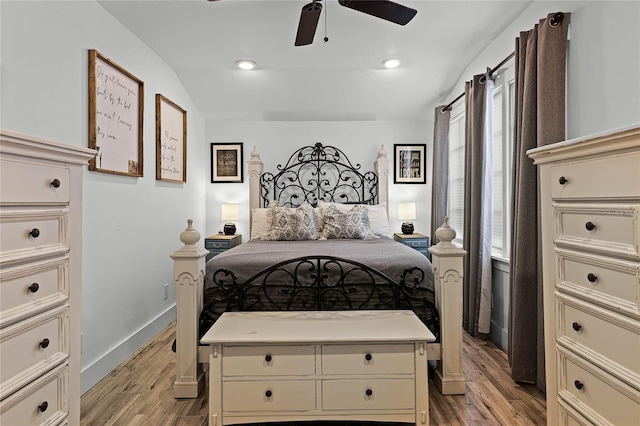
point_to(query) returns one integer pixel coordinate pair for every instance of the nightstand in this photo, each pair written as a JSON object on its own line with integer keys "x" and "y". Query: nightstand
{"x": 416, "y": 241}
{"x": 218, "y": 243}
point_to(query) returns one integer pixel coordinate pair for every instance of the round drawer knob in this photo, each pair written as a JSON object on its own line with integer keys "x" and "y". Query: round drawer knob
{"x": 368, "y": 357}
{"x": 43, "y": 407}
{"x": 268, "y": 394}
{"x": 592, "y": 278}
{"x": 562, "y": 180}
{"x": 576, "y": 326}
{"x": 55, "y": 183}
{"x": 590, "y": 226}
{"x": 34, "y": 287}
{"x": 578, "y": 384}
{"x": 44, "y": 344}
{"x": 268, "y": 358}
{"x": 35, "y": 233}
{"x": 368, "y": 392}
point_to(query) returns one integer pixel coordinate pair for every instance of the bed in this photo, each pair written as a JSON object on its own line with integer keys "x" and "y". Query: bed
{"x": 320, "y": 240}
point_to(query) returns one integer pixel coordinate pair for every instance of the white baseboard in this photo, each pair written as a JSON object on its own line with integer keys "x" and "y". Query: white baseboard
{"x": 95, "y": 372}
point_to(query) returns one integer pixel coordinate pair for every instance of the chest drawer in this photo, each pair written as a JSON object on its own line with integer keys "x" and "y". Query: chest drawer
{"x": 217, "y": 244}
{"x": 368, "y": 359}
{"x": 43, "y": 402}
{"x": 368, "y": 394}
{"x": 268, "y": 361}
{"x": 612, "y": 341}
{"x": 27, "y": 183}
{"x": 601, "y": 178}
{"x": 607, "y": 229}
{"x": 602, "y": 280}
{"x": 32, "y": 288}
{"x": 31, "y": 347}
{"x": 266, "y": 395}
{"x": 29, "y": 234}
{"x": 590, "y": 390}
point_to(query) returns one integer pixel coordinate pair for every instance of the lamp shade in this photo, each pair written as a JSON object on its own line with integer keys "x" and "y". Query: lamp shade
{"x": 230, "y": 212}
{"x": 406, "y": 211}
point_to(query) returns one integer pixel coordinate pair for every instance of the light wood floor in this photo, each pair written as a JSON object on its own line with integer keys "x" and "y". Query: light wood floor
{"x": 139, "y": 392}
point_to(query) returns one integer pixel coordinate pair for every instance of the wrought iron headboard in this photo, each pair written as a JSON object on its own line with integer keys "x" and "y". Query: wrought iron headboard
{"x": 315, "y": 173}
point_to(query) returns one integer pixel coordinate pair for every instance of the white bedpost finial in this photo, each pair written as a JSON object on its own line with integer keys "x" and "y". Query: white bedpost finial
{"x": 445, "y": 233}
{"x": 382, "y": 153}
{"x": 189, "y": 236}
{"x": 254, "y": 154}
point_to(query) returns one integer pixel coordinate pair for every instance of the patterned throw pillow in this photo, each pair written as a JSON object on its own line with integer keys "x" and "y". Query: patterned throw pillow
{"x": 353, "y": 224}
{"x": 296, "y": 224}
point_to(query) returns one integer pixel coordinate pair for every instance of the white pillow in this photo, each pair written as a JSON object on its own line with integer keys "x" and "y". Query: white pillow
{"x": 378, "y": 219}
{"x": 260, "y": 223}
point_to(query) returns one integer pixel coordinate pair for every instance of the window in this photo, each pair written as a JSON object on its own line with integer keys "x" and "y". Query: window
{"x": 503, "y": 114}
{"x": 456, "y": 171}
{"x": 503, "y": 118}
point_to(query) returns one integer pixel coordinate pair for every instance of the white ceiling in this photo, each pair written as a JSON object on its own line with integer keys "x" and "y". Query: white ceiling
{"x": 342, "y": 79}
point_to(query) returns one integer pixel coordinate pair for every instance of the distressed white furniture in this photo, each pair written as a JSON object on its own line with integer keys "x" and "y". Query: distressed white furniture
{"x": 40, "y": 280}
{"x": 590, "y": 191}
{"x": 329, "y": 365}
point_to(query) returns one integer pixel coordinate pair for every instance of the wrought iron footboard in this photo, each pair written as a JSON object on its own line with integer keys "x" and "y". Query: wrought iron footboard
{"x": 320, "y": 283}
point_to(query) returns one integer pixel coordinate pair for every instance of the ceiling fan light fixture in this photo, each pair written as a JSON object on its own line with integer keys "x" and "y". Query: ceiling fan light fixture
{"x": 391, "y": 63}
{"x": 245, "y": 64}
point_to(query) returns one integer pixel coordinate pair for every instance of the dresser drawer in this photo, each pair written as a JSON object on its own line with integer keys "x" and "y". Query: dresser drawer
{"x": 221, "y": 245}
{"x": 269, "y": 395}
{"x": 33, "y": 233}
{"x": 612, "y": 341}
{"x": 32, "y": 288}
{"x": 45, "y": 401}
{"x": 608, "y": 229}
{"x": 601, "y": 280}
{"x": 590, "y": 390}
{"x": 368, "y": 394}
{"x": 31, "y": 347}
{"x": 33, "y": 183}
{"x": 567, "y": 416}
{"x": 368, "y": 359}
{"x": 268, "y": 361}
{"x": 600, "y": 178}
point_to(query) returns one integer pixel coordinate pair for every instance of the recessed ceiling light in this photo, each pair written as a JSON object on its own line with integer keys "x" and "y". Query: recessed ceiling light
{"x": 245, "y": 64}
{"x": 391, "y": 63}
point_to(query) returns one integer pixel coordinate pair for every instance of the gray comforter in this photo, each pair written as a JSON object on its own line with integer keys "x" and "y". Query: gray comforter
{"x": 387, "y": 256}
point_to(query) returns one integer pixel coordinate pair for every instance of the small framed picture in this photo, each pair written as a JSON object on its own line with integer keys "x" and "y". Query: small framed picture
{"x": 226, "y": 162}
{"x": 409, "y": 163}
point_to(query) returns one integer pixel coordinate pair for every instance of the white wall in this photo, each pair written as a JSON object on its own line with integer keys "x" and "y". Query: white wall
{"x": 360, "y": 141}
{"x": 603, "y": 82}
{"x": 130, "y": 225}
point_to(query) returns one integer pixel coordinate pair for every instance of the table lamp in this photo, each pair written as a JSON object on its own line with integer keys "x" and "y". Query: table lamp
{"x": 230, "y": 212}
{"x": 407, "y": 212}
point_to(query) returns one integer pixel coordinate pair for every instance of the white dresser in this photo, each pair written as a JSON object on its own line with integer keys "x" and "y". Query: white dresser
{"x": 40, "y": 280}
{"x": 338, "y": 365}
{"x": 590, "y": 209}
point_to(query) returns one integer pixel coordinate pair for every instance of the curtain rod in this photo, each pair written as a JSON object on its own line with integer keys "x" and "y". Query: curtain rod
{"x": 490, "y": 72}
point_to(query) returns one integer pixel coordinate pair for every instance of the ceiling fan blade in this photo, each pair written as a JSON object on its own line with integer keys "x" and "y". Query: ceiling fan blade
{"x": 308, "y": 23}
{"x": 384, "y": 9}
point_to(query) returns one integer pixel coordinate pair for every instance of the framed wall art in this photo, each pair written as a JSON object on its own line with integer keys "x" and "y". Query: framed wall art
{"x": 226, "y": 162}
{"x": 116, "y": 104}
{"x": 409, "y": 163}
{"x": 171, "y": 141}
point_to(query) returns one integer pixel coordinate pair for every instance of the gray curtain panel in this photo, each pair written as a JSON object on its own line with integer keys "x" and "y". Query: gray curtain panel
{"x": 540, "y": 120}
{"x": 440, "y": 181}
{"x": 478, "y": 196}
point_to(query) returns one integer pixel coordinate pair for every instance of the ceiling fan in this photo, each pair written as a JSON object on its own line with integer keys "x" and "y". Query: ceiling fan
{"x": 384, "y": 9}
